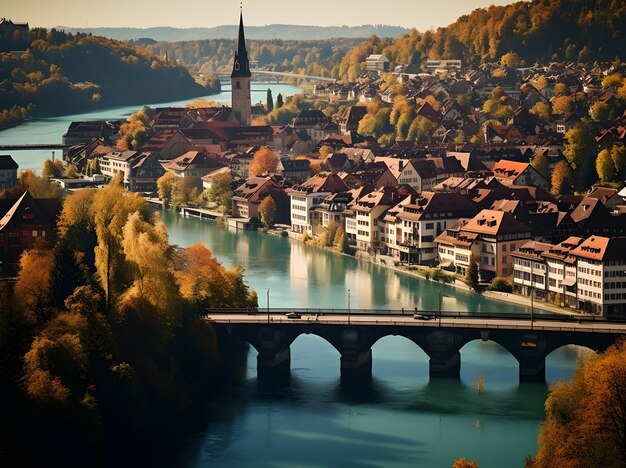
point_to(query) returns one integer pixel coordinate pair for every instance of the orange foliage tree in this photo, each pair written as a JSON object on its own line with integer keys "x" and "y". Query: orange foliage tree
{"x": 206, "y": 283}
{"x": 264, "y": 161}
{"x": 586, "y": 419}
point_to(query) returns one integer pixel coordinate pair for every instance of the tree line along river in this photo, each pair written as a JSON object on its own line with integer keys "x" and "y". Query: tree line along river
{"x": 402, "y": 418}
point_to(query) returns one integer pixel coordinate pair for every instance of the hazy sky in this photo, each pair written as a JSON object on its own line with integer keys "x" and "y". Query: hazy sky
{"x": 422, "y": 14}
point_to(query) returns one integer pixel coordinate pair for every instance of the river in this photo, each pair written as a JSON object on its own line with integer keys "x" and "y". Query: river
{"x": 401, "y": 419}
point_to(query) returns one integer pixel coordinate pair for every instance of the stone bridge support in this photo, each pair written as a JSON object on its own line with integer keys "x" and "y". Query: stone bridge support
{"x": 274, "y": 359}
{"x": 442, "y": 348}
{"x": 356, "y": 359}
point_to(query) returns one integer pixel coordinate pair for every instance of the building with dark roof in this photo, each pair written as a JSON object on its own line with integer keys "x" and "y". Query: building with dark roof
{"x": 27, "y": 221}
{"x": 8, "y": 172}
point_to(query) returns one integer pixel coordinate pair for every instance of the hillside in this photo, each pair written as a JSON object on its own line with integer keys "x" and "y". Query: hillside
{"x": 272, "y": 31}
{"x": 539, "y": 30}
{"x": 315, "y": 57}
{"x": 51, "y": 72}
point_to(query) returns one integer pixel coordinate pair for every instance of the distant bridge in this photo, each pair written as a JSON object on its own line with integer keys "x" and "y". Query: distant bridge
{"x": 440, "y": 335}
{"x": 34, "y": 146}
{"x": 224, "y": 76}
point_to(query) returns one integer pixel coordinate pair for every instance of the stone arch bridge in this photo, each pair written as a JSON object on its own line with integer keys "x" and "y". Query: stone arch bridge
{"x": 440, "y": 337}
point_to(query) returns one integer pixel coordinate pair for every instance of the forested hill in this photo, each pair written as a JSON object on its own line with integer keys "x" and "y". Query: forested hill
{"x": 52, "y": 72}
{"x": 272, "y": 31}
{"x": 313, "y": 57}
{"x": 539, "y": 30}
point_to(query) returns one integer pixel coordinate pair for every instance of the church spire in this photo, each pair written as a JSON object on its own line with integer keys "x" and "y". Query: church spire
{"x": 241, "y": 65}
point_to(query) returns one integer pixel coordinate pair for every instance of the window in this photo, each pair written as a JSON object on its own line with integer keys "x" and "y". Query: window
{"x": 430, "y": 225}
{"x": 237, "y": 83}
{"x": 504, "y": 247}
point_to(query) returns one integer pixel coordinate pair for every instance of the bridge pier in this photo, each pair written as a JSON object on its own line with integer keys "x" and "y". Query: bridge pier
{"x": 445, "y": 365}
{"x": 443, "y": 351}
{"x": 356, "y": 365}
{"x": 532, "y": 359}
{"x": 274, "y": 369}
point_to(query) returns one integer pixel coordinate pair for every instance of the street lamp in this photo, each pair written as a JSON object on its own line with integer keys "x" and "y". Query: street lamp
{"x": 348, "y": 307}
{"x": 268, "y": 305}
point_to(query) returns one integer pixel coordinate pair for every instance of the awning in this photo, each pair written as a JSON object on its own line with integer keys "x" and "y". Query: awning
{"x": 569, "y": 281}
{"x": 446, "y": 264}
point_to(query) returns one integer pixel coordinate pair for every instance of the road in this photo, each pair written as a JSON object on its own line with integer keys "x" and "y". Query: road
{"x": 409, "y": 321}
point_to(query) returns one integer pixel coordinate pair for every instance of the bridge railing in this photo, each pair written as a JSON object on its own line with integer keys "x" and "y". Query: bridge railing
{"x": 428, "y": 314}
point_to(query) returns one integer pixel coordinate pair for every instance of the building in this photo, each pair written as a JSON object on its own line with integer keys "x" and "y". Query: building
{"x": 418, "y": 222}
{"x": 8, "y": 172}
{"x": 25, "y": 222}
{"x": 440, "y": 66}
{"x": 141, "y": 170}
{"x": 308, "y": 195}
{"x": 518, "y": 173}
{"x": 295, "y": 169}
{"x": 194, "y": 164}
{"x": 366, "y": 212}
{"x": 240, "y": 80}
{"x": 588, "y": 275}
{"x": 601, "y": 276}
{"x": 491, "y": 236}
{"x": 377, "y": 63}
{"x": 248, "y": 197}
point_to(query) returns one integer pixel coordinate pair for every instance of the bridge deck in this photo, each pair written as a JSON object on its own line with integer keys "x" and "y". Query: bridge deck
{"x": 567, "y": 324}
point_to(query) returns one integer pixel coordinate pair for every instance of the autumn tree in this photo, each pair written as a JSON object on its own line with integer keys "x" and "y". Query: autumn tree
{"x": 38, "y": 187}
{"x": 112, "y": 207}
{"x": 511, "y": 60}
{"x": 562, "y": 105}
{"x": 145, "y": 246}
{"x": 33, "y": 288}
{"x": 605, "y": 166}
{"x": 585, "y": 421}
{"x": 134, "y": 132}
{"x": 618, "y": 154}
{"x": 325, "y": 151}
{"x": 267, "y": 211}
{"x": 580, "y": 151}
{"x": 165, "y": 183}
{"x": 600, "y": 112}
{"x": 464, "y": 463}
{"x": 542, "y": 111}
{"x": 185, "y": 190}
{"x": 264, "y": 161}
{"x": 341, "y": 241}
{"x": 420, "y": 129}
{"x": 221, "y": 190}
{"x": 52, "y": 169}
{"x": 206, "y": 283}
{"x": 562, "y": 178}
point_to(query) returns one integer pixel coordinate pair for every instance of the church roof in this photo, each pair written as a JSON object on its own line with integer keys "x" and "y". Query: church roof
{"x": 241, "y": 65}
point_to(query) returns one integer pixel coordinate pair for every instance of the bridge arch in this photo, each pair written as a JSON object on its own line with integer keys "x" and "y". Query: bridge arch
{"x": 399, "y": 359}
{"x": 490, "y": 361}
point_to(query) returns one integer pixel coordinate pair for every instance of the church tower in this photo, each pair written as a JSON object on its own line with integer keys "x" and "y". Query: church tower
{"x": 240, "y": 80}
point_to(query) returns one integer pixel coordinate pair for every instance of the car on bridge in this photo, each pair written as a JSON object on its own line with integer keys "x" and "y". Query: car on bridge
{"x": 293, "y": 315}
{"x": 421, "y": 316}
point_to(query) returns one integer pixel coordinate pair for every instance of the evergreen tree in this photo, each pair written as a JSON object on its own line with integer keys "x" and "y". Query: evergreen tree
{"x": 270, "y": 101}
{"x": 471, "y": 275}
{"x": 279, "y": 101}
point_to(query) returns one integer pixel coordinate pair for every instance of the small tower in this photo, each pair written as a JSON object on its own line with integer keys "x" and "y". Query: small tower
{"x": 240, "y": 80}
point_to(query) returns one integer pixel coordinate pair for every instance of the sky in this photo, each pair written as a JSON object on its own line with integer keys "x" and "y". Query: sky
{"x": 420, "y": 14}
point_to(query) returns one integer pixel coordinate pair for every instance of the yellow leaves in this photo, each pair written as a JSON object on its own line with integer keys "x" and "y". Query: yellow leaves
{"x": 33, "y": 288}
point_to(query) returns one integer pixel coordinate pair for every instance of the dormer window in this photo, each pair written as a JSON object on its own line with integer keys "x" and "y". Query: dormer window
{"x": 237, "y": 65}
